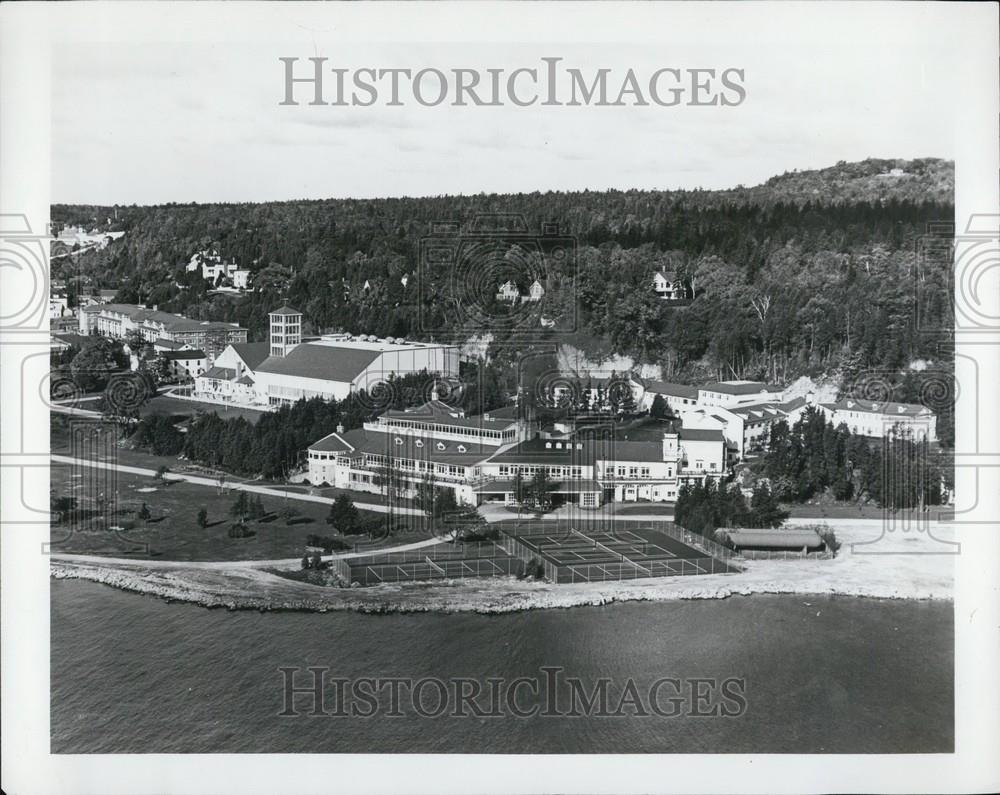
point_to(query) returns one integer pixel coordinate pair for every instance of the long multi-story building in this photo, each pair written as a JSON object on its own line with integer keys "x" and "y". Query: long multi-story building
{"x": 881, "y": 418}
{"x": 287, "y": 369}
{"x": 121, "y": 320}
{"x": 490, "y": 458}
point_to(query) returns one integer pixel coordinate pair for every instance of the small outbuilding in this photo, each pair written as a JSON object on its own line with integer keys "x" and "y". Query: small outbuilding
{"x": 774, "y": 540}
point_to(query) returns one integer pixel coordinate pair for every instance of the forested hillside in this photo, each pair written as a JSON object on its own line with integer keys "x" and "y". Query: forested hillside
{"x": 811, "y": 272}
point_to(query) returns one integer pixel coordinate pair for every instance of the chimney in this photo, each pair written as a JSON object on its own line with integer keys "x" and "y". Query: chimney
{"x": 670, "y": 446}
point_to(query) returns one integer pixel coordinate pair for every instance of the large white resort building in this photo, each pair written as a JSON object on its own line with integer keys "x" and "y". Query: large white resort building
{"x": 286, "y": 369}
{"x": 480, "y": 458}
{"x": 121, "y": 320}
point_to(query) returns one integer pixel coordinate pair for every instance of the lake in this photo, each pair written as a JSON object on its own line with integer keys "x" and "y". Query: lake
{"x": 779, "y": 674}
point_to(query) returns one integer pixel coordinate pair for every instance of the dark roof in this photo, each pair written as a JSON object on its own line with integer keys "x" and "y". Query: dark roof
{"x": 674, "y": 390}
{"x": 792, "y": 404}
{"x": 701, "y": 435}
{"x": 877, "y": 407}
{"x": 252, "y": 353}
{"x": 175, "y": 355}
{"x": 775, "y": 539}
{"x": 504, "y": 413}
{"x": 174, "y": 323}
{"x": 245, "y": 380}
{"x": 361, "y": 440}
{"x": 170, "y": 345}
{"x": 220, "y": 373}
{"x": 749, "y": 388}
{"x": 534, "y": 451}
{"x": 322, "y": 362}
{"x": 76, "y": 339}
{"x": 285, "y": 310}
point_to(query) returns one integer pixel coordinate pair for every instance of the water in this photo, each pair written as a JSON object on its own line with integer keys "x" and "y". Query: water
{"x": 134, "y": 674}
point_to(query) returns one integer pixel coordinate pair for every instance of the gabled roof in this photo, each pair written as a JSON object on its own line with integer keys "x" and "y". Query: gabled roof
{"x": 741, "y": 387}
{"x": 170, "y": 345}
{"x": 320, "y": 362}
{"x": 673, "y": 390}
{"x": 701, "y": 435}
{"x": 438, "y": 451}
{"x": 252, "y": 353}
{"x": 670, "y": 276}
{"x": 182, "y": 355}
{"x": 285, "y": 310}
{"x": 220, "y": 373}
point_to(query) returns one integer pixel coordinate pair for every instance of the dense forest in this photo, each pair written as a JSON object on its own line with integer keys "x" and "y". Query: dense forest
{"x": 816, "y": 272}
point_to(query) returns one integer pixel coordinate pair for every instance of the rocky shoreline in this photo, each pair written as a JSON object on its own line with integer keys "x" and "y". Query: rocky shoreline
{"x": 258, "y": 589}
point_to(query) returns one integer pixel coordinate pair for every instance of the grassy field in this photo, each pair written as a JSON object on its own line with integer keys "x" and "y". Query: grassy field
{"x": 172, "y": 532}
{"x": 854, "y": 511}
{"x": 169, "y": 406}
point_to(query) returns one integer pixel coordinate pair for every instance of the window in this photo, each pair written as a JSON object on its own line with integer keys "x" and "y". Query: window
{"x": 419, "y": 443}
{"x": 398, "y": 440}
{"x": 699, "y": 464}
{"x": 589, "y": 499}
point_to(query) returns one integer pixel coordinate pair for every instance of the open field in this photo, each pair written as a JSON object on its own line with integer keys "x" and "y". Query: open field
{"x": 172, "y": 532}
{"x": 170, "y": 406}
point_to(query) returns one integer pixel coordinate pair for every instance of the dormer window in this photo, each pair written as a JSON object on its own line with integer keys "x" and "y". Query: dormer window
{"x": 548, "y": 445}
{"x": 419, "y": 443}
{"x": 579, "y": 445}
{"x": 461, "y": 448}
{"x": 440, "y": 445}
{"x": 398, "y": 440}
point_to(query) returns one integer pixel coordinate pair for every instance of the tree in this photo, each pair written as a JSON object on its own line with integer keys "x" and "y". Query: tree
{"x": 659, "y": 408}
{"x": 241, "y": 507}
{"x": 93, "y": 365}
{"x": 161, "y": 472}
{"x": 541, "y": 488}
{"x": 202, "y": 518}
{"x": 344, "y": 516}
{"x": 316, "y": 561}
{"x": 764, "y": 508}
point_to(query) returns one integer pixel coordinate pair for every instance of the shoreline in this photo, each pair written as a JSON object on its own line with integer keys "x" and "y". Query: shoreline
{"x": 900, "y": 565}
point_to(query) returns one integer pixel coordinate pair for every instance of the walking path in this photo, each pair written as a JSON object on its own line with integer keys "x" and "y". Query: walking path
{"x": 233, "y": 564}
{"x": 204, "y": 481}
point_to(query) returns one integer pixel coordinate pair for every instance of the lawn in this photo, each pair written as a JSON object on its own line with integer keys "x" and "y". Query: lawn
{"x": 172, "y": 532}
{"x": 174, "y": 407}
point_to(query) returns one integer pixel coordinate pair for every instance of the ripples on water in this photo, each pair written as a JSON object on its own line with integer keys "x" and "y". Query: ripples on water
{"x": 133, "y": 674}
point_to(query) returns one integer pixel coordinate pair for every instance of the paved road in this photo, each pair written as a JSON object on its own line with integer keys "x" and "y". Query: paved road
{"x": 233, "y": 564}
{"x": 206, "y": 481}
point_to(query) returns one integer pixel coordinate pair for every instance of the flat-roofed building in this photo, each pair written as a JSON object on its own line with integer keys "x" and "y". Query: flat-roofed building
{"x": 738, "y": 393}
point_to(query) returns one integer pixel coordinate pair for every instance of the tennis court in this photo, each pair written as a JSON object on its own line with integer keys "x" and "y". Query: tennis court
{"x": 589, "y": 553}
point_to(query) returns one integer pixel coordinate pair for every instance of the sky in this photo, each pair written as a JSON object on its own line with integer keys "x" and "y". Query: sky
{"x": 150, "y": 107}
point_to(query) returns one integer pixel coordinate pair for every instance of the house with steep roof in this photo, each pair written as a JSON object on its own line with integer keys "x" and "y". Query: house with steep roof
{"x": 668, "y": 286}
